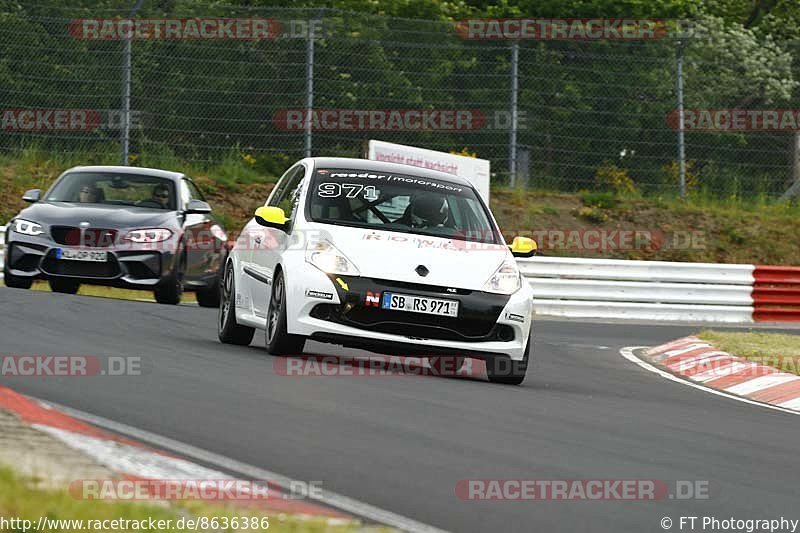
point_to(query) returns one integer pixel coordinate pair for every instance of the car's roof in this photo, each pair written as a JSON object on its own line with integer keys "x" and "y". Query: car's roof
{"x": 155, "y": 172}
{"x": 383, "y": 166}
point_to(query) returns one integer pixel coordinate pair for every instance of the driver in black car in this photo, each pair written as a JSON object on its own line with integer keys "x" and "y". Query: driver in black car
{"x": 425, "y": 211}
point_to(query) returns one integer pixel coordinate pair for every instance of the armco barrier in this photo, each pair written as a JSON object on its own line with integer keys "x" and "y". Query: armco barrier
{"x": 655, "y": 290}
{"x": 776, "y": 294}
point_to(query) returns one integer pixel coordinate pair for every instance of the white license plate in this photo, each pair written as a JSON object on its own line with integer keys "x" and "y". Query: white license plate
{"x": 419, "y": 304}
{"x": 71, "y": 254}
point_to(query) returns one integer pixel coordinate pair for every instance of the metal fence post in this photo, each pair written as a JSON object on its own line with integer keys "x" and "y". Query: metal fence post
{"x": 307, "y": 141}
{"x": 126, "y": 89}
{"x": 512, "y": 136}
{"x": 681, "y": 145}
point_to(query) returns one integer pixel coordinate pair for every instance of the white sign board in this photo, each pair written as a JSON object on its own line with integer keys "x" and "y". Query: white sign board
{"x": 476, "y": 171}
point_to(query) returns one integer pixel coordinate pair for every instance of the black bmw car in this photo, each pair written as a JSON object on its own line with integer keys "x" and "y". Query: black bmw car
{"x": 135, "y": 228}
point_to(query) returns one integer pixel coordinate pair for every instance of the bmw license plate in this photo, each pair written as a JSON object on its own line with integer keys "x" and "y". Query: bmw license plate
{"x": 71, "y": 254}
{"x": 419, "y": 304}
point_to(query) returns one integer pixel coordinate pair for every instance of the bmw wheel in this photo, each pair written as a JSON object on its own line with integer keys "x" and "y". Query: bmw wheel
{"x": 170, "y": 290}
{"x": 16, "y": 282}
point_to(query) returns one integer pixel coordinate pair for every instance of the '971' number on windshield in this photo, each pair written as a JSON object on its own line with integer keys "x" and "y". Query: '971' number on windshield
{"x": 350, "y": 190}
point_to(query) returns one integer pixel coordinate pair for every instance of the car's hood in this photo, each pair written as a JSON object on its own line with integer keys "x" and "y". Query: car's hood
{"x": 392, "y": 255}
{"x": 72, "y": 214}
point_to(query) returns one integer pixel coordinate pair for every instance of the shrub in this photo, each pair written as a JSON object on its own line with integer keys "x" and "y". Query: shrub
{"x": 612, "y": 178}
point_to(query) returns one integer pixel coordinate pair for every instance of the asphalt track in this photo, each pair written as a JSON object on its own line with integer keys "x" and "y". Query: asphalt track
{"x": 402, "y": 443}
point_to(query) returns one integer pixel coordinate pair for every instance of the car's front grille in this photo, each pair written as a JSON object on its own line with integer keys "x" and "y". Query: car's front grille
{"x": 479, "y": 329}
{"x": 394, "y": 284}
{"x": 82, "y": 269}
{"x": 88, "y": 237}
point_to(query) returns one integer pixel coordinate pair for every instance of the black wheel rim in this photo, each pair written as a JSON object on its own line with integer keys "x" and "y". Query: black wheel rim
{"x": 275, "y": 304}
{"x": 225, "y": 304}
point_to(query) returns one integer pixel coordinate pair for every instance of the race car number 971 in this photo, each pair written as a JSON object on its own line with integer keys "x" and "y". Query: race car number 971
{"x": 350, "y": 190}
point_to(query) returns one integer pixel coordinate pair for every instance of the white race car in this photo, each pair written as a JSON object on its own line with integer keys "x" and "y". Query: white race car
{"x": 390, "y": 258}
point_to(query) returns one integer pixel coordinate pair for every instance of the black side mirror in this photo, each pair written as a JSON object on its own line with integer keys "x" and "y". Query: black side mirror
{"x": 198, "y": 207}
{"x": 32, "y": 196}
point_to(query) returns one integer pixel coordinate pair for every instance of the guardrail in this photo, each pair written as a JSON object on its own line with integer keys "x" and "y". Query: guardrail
{"x": 776, "y": 293}
{"x": 655, "y": 290}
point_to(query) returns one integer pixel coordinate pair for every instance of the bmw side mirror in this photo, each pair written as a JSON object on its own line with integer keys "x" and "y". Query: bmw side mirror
{"x": 198, "y": 207}
{"x": 523, "y": 247}
{"x": 271, "y": 217}
{"x": 32, "y": 196}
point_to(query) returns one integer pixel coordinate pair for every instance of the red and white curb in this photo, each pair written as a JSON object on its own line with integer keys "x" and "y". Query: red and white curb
{"x": 703, "y": 366}
{"x": 119, "y": 448}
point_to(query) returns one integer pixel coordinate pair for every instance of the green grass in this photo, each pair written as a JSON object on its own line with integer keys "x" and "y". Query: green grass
{"x": 19, "y": 499}
{"x": 732, "y": 229}
{"x": 781, "y": 351}
{"x": 100, "y": 291}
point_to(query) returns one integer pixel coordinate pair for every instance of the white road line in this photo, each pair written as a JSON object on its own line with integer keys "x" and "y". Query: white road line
{"x": 681, "y": 351}
{"x": 628, "y": 354}
{"x": 722, "y": 371}
{"x": 331, "y": 499}
{"x": 763, "y": 382}
{"x": 792, "y": 404}
{"x": 700, "y": 360}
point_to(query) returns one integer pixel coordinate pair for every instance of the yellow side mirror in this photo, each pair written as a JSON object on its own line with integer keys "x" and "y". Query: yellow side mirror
{"x": 523, "y": 247}
{"x": 271, "y": 217}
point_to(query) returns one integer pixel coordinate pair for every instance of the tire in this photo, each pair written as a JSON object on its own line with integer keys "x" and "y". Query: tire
{"x": 506, "y": 371}
{"x": 278, "y": 341}
{"x": 210, "y": 296}
{"x": 16, "y": 282}
{"x": 65, "y": 286}
{"x": 170, "y": 290}
{"x": 228, "y": 331}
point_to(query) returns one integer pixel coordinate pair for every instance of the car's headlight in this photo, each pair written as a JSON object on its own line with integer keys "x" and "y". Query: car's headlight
{"x": 505, "y": 280}
{"x": 326, "y": 257}
{"x": 146, "y": 236}
{"x": 26, "y": 227}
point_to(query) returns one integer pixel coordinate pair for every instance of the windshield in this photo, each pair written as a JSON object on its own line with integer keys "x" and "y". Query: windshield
{"x": 399, "y": 202}
{"x": 110, "y": 189}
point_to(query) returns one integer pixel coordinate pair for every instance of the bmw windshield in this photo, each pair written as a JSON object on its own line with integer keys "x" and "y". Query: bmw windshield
{"x": 399, "y": 202}
{"x": 110, "y": 189}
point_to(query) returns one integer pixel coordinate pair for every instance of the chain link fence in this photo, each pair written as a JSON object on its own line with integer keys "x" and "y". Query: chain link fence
{"x": 589, "y": 114}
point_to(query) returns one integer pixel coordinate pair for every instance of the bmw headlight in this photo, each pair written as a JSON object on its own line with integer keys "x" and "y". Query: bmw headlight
{"x": 505, "y": 280}
{"x": 147, "y": 236}
{"x": 326, "y": 257}
{"x": 26, "y": 227}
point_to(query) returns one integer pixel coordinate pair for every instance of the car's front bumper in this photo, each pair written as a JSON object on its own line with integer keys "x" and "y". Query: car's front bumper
{"x": 35, "y": 258}
{"x": 345, "y": 312}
